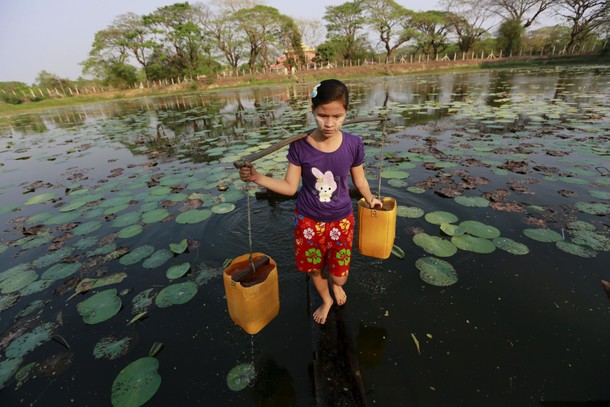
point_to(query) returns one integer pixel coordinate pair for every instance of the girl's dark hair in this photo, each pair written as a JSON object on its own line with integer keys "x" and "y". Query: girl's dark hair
{"x": 328, "y": 91}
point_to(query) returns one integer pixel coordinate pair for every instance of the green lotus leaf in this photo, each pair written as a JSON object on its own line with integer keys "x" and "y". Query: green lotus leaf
{"x": 451, "y": 229}
{"x": 473, "y": 244}
{"x": 177, "y": 271}
{"x": 87, "y": 228}
{"x": 593, "y": 208}
{"x": 157, "y": 259}
{"x": 472, "y": 201}
{"x": 575, "y": 249}
{"x": 416, "y": 190}
{"x": 440, "y": 217}
{"x": 180, "y": 247}
{"x": 510, "y": 246}
{"x": 60, "y": 270}
{"x": 130, "y": 231}
{"x": 126, "y": 219}
{"x": 232, "y": 195}
{"x": 395, "y": 174}
{"x": 30, "y": 340}
{"x": 543, "y": 235}
{"x": 18, "y": 281}
{"x": 62, "y": 218}
{"x": 36, "y": 287}
{"x": 160, "y": 190}
{"x": 85, "y": 243}
{"x": 580, "y": 225}
{"x": 600, "y": 194}
{"x": 398, "y": 252}
{"x": 193, "y": 216}
{"x": 100, "y": 307}
{"x": 589, "y": 238}
{"x": 111, "y": 348}
{"x": 397, "y": 183}
{"x": 73, "y": 206}
{"x": 31, "y": 308}
{"x": 436, "y": 272}
{"x": 174, "y": 294}
{"x": 52, "y": 258}
{"x": 7, "y": 301}
{"x": 13, "y": 271}
{"x": 223, "y": 208}
{"x": 115, "y": 209}
{"x": 116, "y": 201}
{"x": 155, "y": 215}
{"x": 8, "y": 208}
{"x": 100, "y": 251}
{"x": 434, "y": 245}
{"x": 8, "y": 367}
{"x": 136, "y": 383}
{"x": 39, "y": 218}
{"x": 412, "y": 212}
{"x": 479, "y": 229}
{"x": 241, "y": 376}
{"x": 143, "y": 300}
{"x": 41, "y": 198}
{"x": 136, "y": 255}
{"x": 38, "y": 241}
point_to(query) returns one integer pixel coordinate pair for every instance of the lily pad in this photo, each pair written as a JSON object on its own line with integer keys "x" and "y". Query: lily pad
{"x": 130, "y": 231}
{"x": 193, "y": 216}
{"x": 60, "y": 270}
{"x": 394, "y": 174}
{"x": 241, "y": 376}
{"x": 126, "y": 219}
{"x": 18, "y": 281}
{"x": 575, "y": 249}
{"x": 593, "y": 208}
{"x": 436, "y": 272}
{"x": 180, "y": 247}
{"x": 157, "y": 259}
{"x": 543, "y": 235}
{"x": 435, "y": 245}
{"x": 412, "y": 212}
{"x": 30, "y": 340}
{"x": 111, "y": 348}
{"x": 479, "y": 229}
{"x": 473, "y": 244}
{"x": 398, "y": 252}
{"x": 8, "y": 367}
{"x": 439, "y": 217}
{"x": 177, "y": 271}
{"x": 223, "y": 208}
{"x": 136, "y": 383}
{"x": 510, "y": 246}
{"x": 100, "y": 307}
{"x": 451, "y": 229}
{"x": 143, "y": 300}
{"x": 136, "y": 255}
{"x": 174, "y": 294}
{"x": 87, "y": 228}
{"x": 41, "y": 198}
{"x": 155, "y": 215}
{"x": 472, "y": 201}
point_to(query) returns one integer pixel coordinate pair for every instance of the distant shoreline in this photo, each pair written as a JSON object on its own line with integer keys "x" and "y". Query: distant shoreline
{"x": 345, "y": 73}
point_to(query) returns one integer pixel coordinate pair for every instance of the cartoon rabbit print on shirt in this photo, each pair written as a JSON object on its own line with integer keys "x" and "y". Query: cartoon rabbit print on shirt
{"x": 325, "y": 184}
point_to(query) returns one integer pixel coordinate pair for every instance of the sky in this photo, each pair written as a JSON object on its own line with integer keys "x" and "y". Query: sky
{"x": 56, "y": 35}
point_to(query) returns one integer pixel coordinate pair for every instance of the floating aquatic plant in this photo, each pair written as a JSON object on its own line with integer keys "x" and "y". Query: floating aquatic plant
{"x": 435, "y": 245}
{"x": 175, "y": 294}
{"x": 136, "y": 383}
{"x": 100, "y": 307}
{"x": 240, "y": 376}
{"x": 436, "y": 272}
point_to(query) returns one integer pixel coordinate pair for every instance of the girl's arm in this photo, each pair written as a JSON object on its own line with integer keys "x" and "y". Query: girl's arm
{"x": 287, "y": 186}
{"x": 362, "y": 185}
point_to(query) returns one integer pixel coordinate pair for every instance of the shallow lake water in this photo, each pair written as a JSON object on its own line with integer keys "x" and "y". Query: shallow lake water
{"x": 524, "y": 152}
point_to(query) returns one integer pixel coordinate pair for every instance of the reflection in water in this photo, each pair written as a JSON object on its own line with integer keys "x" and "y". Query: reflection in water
{"x": 273, "y": 386}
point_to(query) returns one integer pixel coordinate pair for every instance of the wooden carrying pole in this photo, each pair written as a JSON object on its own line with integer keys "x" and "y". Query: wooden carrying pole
{"x": 292, "y": 139}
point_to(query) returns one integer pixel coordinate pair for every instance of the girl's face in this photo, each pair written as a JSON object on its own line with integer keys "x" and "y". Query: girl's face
{"x": 330, "y": 117}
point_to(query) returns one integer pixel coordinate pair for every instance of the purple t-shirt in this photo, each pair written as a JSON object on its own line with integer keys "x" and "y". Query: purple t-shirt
{"x": 324, "y": 194}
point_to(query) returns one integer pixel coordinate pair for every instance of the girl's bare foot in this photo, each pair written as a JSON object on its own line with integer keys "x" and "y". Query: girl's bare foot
{"x": 322, "y": 312}
{"x": 340, "y": 295}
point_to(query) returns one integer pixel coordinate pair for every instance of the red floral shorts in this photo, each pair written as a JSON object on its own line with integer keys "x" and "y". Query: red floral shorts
{"x": 319, "y": 244}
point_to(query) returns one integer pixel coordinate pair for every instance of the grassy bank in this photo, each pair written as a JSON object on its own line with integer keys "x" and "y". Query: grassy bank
{"x": 346, "y": 73}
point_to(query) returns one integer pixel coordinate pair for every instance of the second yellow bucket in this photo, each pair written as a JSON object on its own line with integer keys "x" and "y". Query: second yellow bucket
{"x": 254, "y": 305}
{"x": 376, "y": 228}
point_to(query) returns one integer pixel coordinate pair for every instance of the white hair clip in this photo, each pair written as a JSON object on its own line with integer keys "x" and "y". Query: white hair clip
{"x": 314, "y": 92}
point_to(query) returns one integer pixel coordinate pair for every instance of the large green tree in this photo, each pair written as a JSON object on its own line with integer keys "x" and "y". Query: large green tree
{"x": 391, "y": 23}
{"x": 344, "y": 25}
{"x": 583, "y": 17}
{"x": 469, "y": 21}
{"x": 432, "y": 28}
{"x": 267, "y": 33}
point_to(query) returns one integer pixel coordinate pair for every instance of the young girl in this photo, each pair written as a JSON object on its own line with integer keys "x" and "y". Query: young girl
{"x": 324, "y": 218}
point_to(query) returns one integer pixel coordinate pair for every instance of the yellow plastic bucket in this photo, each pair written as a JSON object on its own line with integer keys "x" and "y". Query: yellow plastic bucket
{"x": 254, "y": 301}
{"x": 376, "y": 228}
